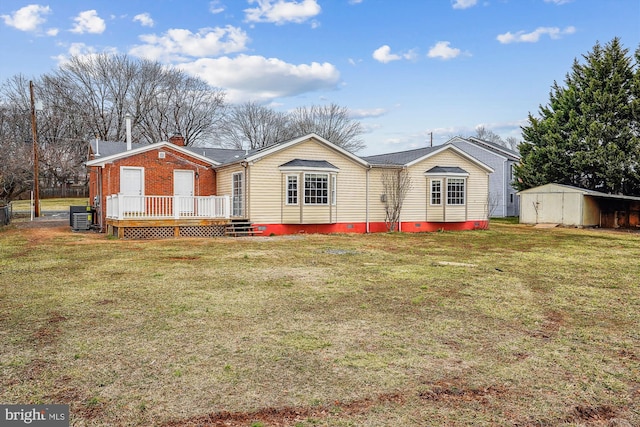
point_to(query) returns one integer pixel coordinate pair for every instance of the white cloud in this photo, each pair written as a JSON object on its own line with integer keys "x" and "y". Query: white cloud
{"x": 355, "y": 1}
{"x": 81, "y": 50}
{"x": 365, "y": 114}
{"x": 144, "y": 19}
{"x": 215, "y": 7}
{"x": 442, "y": 50}
{"x": 52, "y": 32}
{"x": 282, "y": 11}
{"x": 88, "y": 22}
{"x": 558, "y": 1}
{"x": 534, "y": 36}
{"x": 383, "y": 54}
{"x": 464, "y": 4}
{"x": 28, "y": 18}
{"x": 262, "y": 79}
{"x": 179, "y": 44}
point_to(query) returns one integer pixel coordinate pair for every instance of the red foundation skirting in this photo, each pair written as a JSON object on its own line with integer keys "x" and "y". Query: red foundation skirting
{"x": 374, "y": 227}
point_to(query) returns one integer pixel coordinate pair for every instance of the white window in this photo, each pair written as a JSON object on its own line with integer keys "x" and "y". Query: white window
{"x": 333, "y": 189}
{"x": 316, "y": 189}
{"x": 436, "y": 192}
{"x": 455, "y": 191}
{"x": 292, "y": 189}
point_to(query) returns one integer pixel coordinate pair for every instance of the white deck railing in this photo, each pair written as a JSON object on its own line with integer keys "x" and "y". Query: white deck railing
{"x": 121, "y": 206}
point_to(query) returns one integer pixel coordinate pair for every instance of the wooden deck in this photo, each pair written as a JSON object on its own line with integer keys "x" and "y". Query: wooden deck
{"x": 165, "y": 228}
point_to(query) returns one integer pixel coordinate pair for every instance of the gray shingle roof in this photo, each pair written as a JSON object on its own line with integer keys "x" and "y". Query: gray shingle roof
{"x": 109, "y": 148}
{"x": 220, "y": 155}
{"x": 495, "y": 147}
{"x": 446, "y": 170}
{"x": 319, "y": 164}
{"x": 400, "y": 158}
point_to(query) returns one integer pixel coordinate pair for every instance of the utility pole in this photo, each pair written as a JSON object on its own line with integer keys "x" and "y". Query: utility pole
{"x": 34, "y": 131}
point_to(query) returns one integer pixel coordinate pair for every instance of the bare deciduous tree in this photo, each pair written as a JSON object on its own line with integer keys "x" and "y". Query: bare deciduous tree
{"x": 493, "y": 200}
{"x": 331, "y": 122}
{"x": 183, "y": 104}
{"x": 396, "y": 183}
{"x": 489, "y": 135}
{"x": 16, "y": 154}
{"x": 251, "y": 125}
{"x": 104, "y": 88}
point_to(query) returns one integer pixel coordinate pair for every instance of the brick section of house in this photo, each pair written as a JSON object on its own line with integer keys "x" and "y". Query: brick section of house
{"x": 158, "y": 174}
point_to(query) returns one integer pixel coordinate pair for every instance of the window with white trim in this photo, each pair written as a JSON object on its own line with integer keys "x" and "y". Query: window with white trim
{"x": 436, "y": 192}
{"x": 333, "y": 189}
{"x": 292, "y": 189}
{"x": 455, "y": 191}
{"x": 316, "y": 189}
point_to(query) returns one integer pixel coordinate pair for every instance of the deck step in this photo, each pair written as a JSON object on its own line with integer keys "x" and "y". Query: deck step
{"x": 238, "y": 229}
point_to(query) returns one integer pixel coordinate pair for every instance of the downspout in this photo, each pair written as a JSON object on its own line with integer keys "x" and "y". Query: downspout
{"x": 488, "y": 198}
{"x": 366, "y": 202}
{"x": 100, "y": 200}
{"x": 404, "y": 168}
{"x": 505, "y": 172}
{"x": 246, "y": 190}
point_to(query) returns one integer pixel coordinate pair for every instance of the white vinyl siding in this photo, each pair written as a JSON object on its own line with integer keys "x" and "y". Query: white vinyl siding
{"x": 417, "y": 206}
{"x": 267, "y": 206}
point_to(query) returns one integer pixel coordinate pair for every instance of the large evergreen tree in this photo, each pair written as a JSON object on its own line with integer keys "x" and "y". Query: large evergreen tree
{"x": 588, "y": 134}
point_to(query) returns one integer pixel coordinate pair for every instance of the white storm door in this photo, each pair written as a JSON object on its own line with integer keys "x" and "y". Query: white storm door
{"x": 183, "y": 186}
{"x": 132, "y": 184}
{"x": 237, "y": 194}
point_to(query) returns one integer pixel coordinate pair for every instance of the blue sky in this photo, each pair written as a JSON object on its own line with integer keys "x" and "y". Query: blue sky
{"x": 407, "y": 69}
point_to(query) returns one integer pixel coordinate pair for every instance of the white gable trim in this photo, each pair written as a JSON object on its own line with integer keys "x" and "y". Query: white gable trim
{"x": 457, "y": 151}
{"x": 283, "y": 146}
{"x": 158, "y": 145}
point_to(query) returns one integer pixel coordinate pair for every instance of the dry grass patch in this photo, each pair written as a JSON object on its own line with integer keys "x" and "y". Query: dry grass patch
{"x": 509, "y": 326}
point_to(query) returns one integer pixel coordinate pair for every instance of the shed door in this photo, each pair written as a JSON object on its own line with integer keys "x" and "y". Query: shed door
{"x": 132, "y": 187}
{"x": 183, "y": 186}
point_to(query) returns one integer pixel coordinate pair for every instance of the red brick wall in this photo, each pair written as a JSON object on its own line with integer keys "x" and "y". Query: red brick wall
{"x": 158, "y": 174}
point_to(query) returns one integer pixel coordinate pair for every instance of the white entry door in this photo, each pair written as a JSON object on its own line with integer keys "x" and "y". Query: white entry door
{"x": 183, "y": 186}
{"x": 132, "y": 184}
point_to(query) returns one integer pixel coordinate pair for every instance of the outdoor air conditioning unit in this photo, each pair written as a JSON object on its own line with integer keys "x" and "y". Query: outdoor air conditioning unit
{"x": 81, "y": 221}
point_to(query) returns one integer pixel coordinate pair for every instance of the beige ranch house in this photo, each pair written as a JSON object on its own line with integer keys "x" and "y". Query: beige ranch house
{"x": 305, "y": 185}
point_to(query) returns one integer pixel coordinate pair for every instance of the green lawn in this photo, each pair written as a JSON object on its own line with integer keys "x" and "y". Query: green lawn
{"x": 508, "y": 326}
{"x": 49, "y": 204}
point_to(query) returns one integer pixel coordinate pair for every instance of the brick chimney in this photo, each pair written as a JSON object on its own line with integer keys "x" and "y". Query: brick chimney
{"x": 177, "y": 139}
